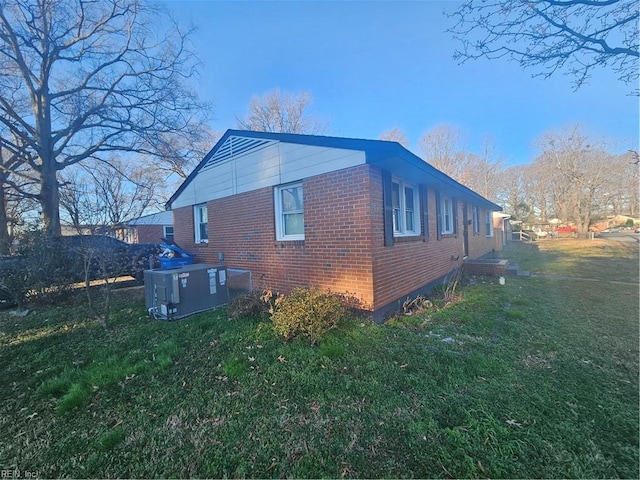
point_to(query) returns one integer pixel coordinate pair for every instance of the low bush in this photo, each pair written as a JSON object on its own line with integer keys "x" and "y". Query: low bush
{"x": 41, "y": 273}
{"x": 307, "y": 313}
{"x": 254, "y": 304}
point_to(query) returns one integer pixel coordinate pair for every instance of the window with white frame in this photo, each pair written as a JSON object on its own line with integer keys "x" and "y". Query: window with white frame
{"x": 405, "y": 201}
{"x": 167, "y": 232}
{"x": 488, "y": 223}
{"x": 476, "y": 220}
{"x": 201, "y": 223}
{"x": 446, "y": 212}
{"x": 289, "y": 208}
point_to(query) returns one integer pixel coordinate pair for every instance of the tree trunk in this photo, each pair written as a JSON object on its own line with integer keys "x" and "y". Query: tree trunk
{"x": 583, "y": 203}
{"x": 5, "y": 240}
{"x": 50, "y": 201}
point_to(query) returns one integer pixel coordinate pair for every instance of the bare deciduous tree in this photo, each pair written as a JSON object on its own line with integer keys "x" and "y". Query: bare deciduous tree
{"x": 512, "y": 194}
{"x": 580, "y": 169}
{"x": 547, "y": 195}
{"x": 16, "y": 192}
{"x": 484, "y": 171}
{"x": 282, "y": 112}
{"x": 180, "y": 152}
{"x": 621, "y": 193}
{"x": 81, "y": 78}
{"x": 395, "y": 135}
{"x": 443, "y": 148}
{"x": 572, "y": 35}
{"x": 99, "y": 194}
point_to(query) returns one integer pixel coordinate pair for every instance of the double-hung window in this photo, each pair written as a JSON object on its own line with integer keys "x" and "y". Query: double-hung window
{"x": 446, "y": 212}
{"x": 476, "y": 220}
{"x": 404, "y": 199}
{"x": 201, "y": 224}
{"x": 289, "y": 208}
{"x": 488, "y": 223}
{"x": 167, "y": 232}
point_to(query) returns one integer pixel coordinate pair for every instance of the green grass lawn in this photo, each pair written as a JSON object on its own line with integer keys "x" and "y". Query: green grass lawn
{"x": 537, "y": 378}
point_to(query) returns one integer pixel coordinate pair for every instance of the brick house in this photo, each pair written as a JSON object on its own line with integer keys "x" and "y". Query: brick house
{"x": 148, "y": 229}
{"x": 366, "y": 217}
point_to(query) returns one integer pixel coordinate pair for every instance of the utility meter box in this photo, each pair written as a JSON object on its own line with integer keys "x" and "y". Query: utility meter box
{"x": 178, "y": 292}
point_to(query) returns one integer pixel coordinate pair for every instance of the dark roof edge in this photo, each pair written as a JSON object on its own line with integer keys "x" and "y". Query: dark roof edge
{"x": 375, "y": 150}
{"x": 440, "y": 176}
{"x": 195, "y": 171}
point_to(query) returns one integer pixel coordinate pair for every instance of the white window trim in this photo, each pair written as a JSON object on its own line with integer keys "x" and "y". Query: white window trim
{"x": 417, "y": 226}
{"x": 489, "y": 223}
{"x": 279, "y": 220}
{"x": 196, "y": 223}
{"x": 446, "y": 209}
{"x": 164, "y": 230}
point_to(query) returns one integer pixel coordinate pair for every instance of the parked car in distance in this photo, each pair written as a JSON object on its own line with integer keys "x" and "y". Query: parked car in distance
{"x": 108, "y": 255}
{"x": 103, "y": 255}
{"x": 68, "y": 259}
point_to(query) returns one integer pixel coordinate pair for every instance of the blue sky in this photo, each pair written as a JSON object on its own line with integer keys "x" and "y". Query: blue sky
{"x": 373, "y": 65}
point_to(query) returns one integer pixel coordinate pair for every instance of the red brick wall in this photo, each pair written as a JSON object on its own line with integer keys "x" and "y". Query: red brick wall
{"x": 410, "y": 263}
{"x": 479, "y": 243}
{"x": 336, "y": 251}
{"x": 343, "y": 248}
{"x": 149, "y": 233}
{"x": 338, "y": 233}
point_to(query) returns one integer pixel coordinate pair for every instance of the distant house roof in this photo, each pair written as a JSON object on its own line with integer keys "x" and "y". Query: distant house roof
{"x": 388, "y": 155}
{"x": 160, "y": 218}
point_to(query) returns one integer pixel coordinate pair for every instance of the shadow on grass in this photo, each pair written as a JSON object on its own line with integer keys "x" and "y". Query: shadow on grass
{"x": 528, "y": 256}
{"x": 528, "y": 379}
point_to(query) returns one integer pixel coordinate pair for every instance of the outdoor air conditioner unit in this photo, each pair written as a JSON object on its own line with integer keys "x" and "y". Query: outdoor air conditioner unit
{"x": 182, "y": 291}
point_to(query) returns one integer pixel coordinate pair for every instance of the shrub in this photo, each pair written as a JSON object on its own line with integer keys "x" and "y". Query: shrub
{"x": 41, "y": 272}
{"x": 307, "y": 313}
{"x": 249, "y": 305}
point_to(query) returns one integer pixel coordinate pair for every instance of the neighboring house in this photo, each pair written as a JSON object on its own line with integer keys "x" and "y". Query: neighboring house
{"x": 148, "y": 229}
{"x": 68, "y": 230}
{"x": 365, "y": 217}
{"x": 621, "y": 220}
{"x": 502, "y": 229}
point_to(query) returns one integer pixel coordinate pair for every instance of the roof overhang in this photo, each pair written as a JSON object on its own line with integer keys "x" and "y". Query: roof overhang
{"x": 402, "y": 163}
{"x": 390, "y": 156}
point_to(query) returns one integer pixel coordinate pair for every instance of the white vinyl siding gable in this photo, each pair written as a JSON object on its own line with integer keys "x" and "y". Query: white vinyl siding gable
{"x": 269, "y": 164}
